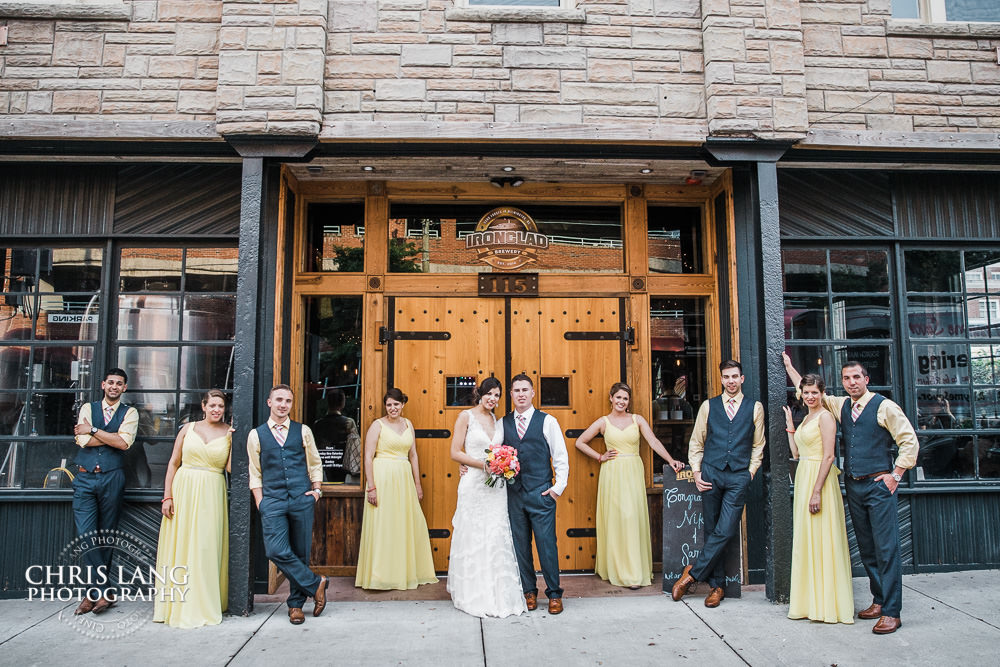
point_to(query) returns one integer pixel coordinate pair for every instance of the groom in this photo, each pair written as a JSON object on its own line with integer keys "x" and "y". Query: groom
{"x": 531, "y": 500}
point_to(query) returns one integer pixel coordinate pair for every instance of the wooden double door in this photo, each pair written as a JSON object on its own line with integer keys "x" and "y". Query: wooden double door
{"x": 574, "y": 349}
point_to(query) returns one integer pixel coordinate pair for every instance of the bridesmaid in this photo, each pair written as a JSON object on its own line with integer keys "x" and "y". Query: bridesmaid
{"x": 193, "y": 549}
{"x": 395, "y": 545}
{"x": 821, "y": 588}
{"x": 624, "y": 550}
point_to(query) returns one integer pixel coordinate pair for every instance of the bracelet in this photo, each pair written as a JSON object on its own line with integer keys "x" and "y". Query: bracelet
{"x": 165, "y": 500}
{"x": 789, "y": 430}
{"x": 370, "y": 490}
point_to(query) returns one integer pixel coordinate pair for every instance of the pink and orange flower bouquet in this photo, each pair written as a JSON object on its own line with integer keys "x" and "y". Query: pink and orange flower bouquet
{"x": 502, "y": 464}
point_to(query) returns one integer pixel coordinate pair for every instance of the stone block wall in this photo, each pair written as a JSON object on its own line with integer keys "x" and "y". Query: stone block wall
{"x": 865, "y": 71}
{"x": 631, "y": 62}
{"x": 160, "y": 64}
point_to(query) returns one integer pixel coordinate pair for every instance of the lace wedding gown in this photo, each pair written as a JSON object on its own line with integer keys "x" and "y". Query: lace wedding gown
{"x": 482, "y": 572}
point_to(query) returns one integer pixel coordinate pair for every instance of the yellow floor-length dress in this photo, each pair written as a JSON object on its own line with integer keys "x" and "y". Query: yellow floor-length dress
{"x": 194, "y": 543}
{"x": 624, "y": 550}
{"x": 395, "y": 547}
{"x": 821, "y": 587}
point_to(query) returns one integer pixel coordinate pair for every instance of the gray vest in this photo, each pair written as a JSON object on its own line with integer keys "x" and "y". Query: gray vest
{"x": 532, "y": 452}
{"x": 866, "y": 446}
{"x": 729, "y": 443}
{"x": 283, "y": 470}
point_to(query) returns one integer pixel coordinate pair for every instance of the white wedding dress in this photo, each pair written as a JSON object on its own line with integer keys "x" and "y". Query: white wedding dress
{"x": 483, "y": 577}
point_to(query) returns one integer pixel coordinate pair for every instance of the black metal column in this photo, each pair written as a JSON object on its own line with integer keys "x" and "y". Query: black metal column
{"x": 245, "y": 384}
{"x": 761, "y": 318}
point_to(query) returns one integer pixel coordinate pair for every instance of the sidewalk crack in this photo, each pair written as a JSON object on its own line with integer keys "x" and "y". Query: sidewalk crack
{"x": 942, "y": 602}
{"x": 36, "y": 624}
{"x": 721, "y": 638}
{"x": 252, "y": 635}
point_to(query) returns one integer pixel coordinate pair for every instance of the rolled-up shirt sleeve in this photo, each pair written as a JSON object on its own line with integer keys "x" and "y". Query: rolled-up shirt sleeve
{"x": 313, "y": 461}
{"x": 253, "y": 455}
{"x": 891, "y": 417}
{"x": 557, "y": 451}
{"x": 130, "y": 426}
{"x": 759, "y": 440}
{"x": 84, "y": 415}
{"x": 696, "y": 446}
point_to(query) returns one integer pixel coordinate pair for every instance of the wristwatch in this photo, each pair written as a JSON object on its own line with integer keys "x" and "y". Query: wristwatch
{"x": 318, "y": 491}
{"x": 94, "y": 430}
{"x": 896, "y": 476}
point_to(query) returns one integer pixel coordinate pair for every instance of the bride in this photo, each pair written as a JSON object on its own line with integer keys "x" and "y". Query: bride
{"x": 482, "y": 571}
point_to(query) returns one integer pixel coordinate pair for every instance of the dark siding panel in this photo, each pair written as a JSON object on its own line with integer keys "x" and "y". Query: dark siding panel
{"x": 957, "y": 529}
{"x": 178, "y": 200}
{"x": 49, "y": 199}
{"x": 35, "y": 533}
{"x": 834, "y": 203}
{"x": 948, "y": 205}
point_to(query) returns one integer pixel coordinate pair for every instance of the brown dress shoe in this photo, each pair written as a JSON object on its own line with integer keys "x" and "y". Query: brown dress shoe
{"x": 555, "y": 606}
{"x": 887, "y": 625}
{"x": 295, "y": 616}
{"x": 871, "y": 613}
{"x": 531, "y": 599}
{"x": 320, "y": 597}
{"x": 102, "y": 605}
{"x": 715, "y": 597}
{"x": 682, "y": 585}
{"x": 86, "y": 606}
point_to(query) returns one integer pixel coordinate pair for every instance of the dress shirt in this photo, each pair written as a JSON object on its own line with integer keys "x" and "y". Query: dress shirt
{"x": 127, "y": 430}
{"x": 890, "y": 417}
{"x": 696, "y": 447}
{"x": 557, "y": 446}
{"x": 314, "y": 463}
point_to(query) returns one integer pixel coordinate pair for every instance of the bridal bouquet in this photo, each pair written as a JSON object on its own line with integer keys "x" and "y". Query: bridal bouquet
{"x": 502, "y": 464}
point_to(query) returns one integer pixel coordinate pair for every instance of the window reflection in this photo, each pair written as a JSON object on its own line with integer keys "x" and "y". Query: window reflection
{"x": 933, "y": 270}
{"x": 210, "y": 269}
{"x": 678, "y": 351}
{"x": 861, "y": 317}
{"x": 674, "y": 239}
{"x": 332, "y": 393}
{"x": 804, "y": 270}
{"x": 335, "y": 237}
{"x": 151, "y": 269}
{"x": 859, "y": 271}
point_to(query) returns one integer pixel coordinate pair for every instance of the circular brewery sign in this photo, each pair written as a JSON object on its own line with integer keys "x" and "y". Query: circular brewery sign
{"x": 506, "y": 238}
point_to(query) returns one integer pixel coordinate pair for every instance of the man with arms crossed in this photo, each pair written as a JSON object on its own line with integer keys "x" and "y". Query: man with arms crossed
{"x": 104, "y": 431}
{"x": 285, "y": 478}
{"x": 870, "y": 424}
{"x": 725, "y": 451}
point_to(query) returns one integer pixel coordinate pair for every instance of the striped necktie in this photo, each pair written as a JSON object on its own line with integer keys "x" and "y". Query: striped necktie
{"x": 108, "y": 412}
{"x": 731, "y": 408}
{"x": 855, "y": 411}
{"x": 279, "y": 434}
{"x": 521, "y": 426}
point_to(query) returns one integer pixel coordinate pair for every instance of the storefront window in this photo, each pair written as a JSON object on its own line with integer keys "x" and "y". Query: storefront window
{"x": 678, "y": 351}
{"x": 48, "y": 329}
{"x": 335, "y": 237}
{"x": 176, "y": 326}
{"x": 543, "y": 239}
{"x": 675, "y": 239}
{"x": 332, "y": 393}
{"x": 952, "y": 312}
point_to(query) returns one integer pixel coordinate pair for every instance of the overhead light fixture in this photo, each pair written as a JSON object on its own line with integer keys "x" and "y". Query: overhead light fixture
{"x": 508, "y": 169}
{"x": 367, "y": 167}
{"x": 695, "y": 177}
{"x": 645, "y": 170}
{"x": 314, "y": 169}
{"x": 501, "y": 182}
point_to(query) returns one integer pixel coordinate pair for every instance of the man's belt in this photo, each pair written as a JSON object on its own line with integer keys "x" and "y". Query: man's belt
{"x": 874, "y": 474}
{"x": 97, "y": 468}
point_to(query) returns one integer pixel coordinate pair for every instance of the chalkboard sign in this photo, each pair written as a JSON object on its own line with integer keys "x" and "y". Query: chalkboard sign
{"x": 684, "y": 532}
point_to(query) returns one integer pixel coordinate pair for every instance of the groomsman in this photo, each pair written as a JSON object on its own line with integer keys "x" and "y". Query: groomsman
{"x": 285, "y": 478}
{"x": 870, "y": 425}
{"x": 104, "y": 431}
{"x": 725, "y": 451}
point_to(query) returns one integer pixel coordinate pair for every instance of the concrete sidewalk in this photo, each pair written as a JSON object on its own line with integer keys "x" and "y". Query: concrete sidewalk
{"x": 951, "y": 618}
